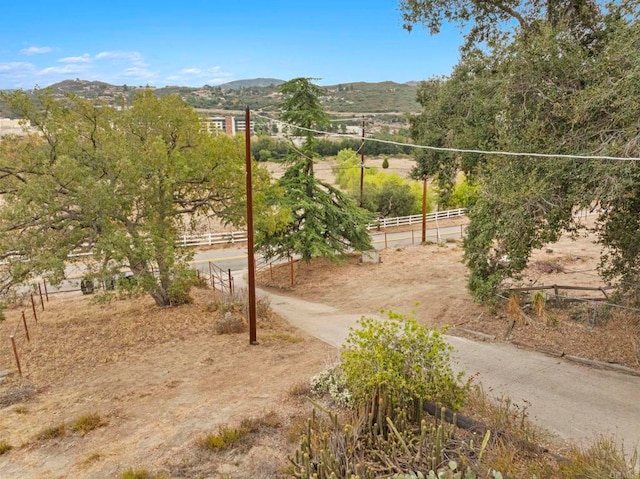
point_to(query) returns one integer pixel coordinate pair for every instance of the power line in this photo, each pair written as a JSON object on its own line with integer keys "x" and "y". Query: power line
{"x": 460, "y": 150}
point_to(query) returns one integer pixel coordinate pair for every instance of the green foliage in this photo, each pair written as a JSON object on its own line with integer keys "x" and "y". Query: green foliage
{"x": 402, "y": 359}
{"x": 117, "y": 182}
{"x": 5, "y": 447}
{"x": 385, "y": 163}
{"x": 88, "y": 423}
{"x": 133, "y": 473}
{"x": 565, "y": 81}
{"x": 302, "y": 106}
{"x": 182, "y": 281}
{"x": 52, "y": 432}
{"x": 322, "y": 221}
{"x": 332, "y": 381}
{"x": 226, "y": 437}
{"x": 387, "y": 194}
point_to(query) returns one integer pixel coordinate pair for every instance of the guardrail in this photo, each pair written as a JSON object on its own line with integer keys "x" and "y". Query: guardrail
{"x": 211, "y": 239}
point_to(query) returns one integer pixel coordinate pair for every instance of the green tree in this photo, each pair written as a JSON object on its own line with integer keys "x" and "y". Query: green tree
{"x": 118, "y": 184}
{"x": 564, "y": 81}
{"x": 492, "y": 21}
{"x": 323, "y": 221}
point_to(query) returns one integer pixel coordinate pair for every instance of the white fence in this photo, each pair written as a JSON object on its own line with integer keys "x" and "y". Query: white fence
{"x": 415, "y": 219}
{"x": 211, "y": 239}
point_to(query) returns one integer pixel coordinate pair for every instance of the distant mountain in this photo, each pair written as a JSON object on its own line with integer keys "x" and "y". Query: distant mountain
{"x": 358, "y": 97}
{"x": 256, "y": 82}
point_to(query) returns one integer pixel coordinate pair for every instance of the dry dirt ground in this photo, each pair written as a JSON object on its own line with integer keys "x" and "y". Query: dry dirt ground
{"x": 160, "y": 379}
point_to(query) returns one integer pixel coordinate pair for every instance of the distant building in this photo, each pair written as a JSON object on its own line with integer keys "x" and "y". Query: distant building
{"x": 231, "y": 125}
{"x": 11, "y": 127}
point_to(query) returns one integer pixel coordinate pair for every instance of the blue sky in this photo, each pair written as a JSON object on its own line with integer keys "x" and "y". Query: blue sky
{"x": 198, "y": 42}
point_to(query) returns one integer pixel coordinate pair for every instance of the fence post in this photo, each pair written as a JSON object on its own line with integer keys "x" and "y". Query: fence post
{"x": 291, "y": 270}
{"x": 46, "y": 293}
{"x": 230, "y": 282}
{"x": 412, "y": 239}
{"x": 41, "y": 300}
{"x": 385, "y": 240}
{"x": 15, "y": 353}
{"x": 26, "y": 330}
{"x": 271, "y": 271}
{"x": 33, "y": 307}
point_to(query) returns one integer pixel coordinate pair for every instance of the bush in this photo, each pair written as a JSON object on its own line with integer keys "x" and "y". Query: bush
{"x": 402, "y": 359}
{"x": 185, "y": 279}
{"x": 4, "y": 447}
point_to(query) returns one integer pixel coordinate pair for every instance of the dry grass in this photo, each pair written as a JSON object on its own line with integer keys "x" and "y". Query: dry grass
{"x": 227, "y": 437}
{"x": 88, "y": 423}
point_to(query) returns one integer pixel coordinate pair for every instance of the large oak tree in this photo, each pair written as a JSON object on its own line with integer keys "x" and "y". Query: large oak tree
{"x": 118, "y": 184}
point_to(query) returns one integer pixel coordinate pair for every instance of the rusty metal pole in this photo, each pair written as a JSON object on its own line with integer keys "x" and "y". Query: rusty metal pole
{"x": 41, "y": 298}
{"x": 15, "y": 353}
{"x": 250, "y": 256}
{"x": 33, "y": 307}
{"x": 362, "y": 165}
{"x": 291, "y": 274}
{"x": 46, "y": 293}
{"x": 26, "y": 330}
{"x": 424, "y": 209}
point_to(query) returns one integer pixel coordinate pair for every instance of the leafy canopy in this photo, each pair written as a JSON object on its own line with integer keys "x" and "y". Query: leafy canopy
{"x": 120, "y": 184}
{"x": 322, "y": 221}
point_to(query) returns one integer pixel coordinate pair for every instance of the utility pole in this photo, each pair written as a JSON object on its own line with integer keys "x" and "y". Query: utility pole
{"x": 362, "y": 165}
{"x": 424, "y": 209}
{"x": 251, "y": 264}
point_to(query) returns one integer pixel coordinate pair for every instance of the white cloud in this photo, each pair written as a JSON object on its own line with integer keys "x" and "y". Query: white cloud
{"x": 133, "y": 57}
{"x": 194, "y": 76}
{"x": 63, "y": 70}
{"x": 191, "y": 71}
{"x": 86, "y": 58}
{"x": 35, "y": 50}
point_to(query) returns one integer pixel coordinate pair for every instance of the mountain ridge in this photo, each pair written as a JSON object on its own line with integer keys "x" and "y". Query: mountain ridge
{"x": 350, "y": 97}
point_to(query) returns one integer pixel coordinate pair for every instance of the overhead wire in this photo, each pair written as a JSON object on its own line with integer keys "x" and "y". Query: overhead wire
{"x": 458, "y": 150}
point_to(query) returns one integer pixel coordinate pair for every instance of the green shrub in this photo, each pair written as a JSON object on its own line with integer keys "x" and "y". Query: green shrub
{"x": 52, "y": 432}
{"x": 132, "y": 473}
{"x": 332, "y": 381}
{"x": 184, "y": 280}
{"x": 224, "y": 438}
{"x": 402, "y": 359}
{"x": 385, "y": 163}
{"x": 4, "y": 447}
{"x": 87, "y": 423}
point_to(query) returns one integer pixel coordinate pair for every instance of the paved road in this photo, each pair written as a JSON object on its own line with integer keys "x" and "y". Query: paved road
{"x": 236, "y": 258}
{"x": 573, "y": 401}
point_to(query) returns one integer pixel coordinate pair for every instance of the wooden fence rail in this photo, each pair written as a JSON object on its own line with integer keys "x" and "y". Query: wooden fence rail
{"x": 211, "y": 239}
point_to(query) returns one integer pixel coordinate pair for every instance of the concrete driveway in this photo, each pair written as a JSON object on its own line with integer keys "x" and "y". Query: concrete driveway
{"x": 575, "y": 402}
